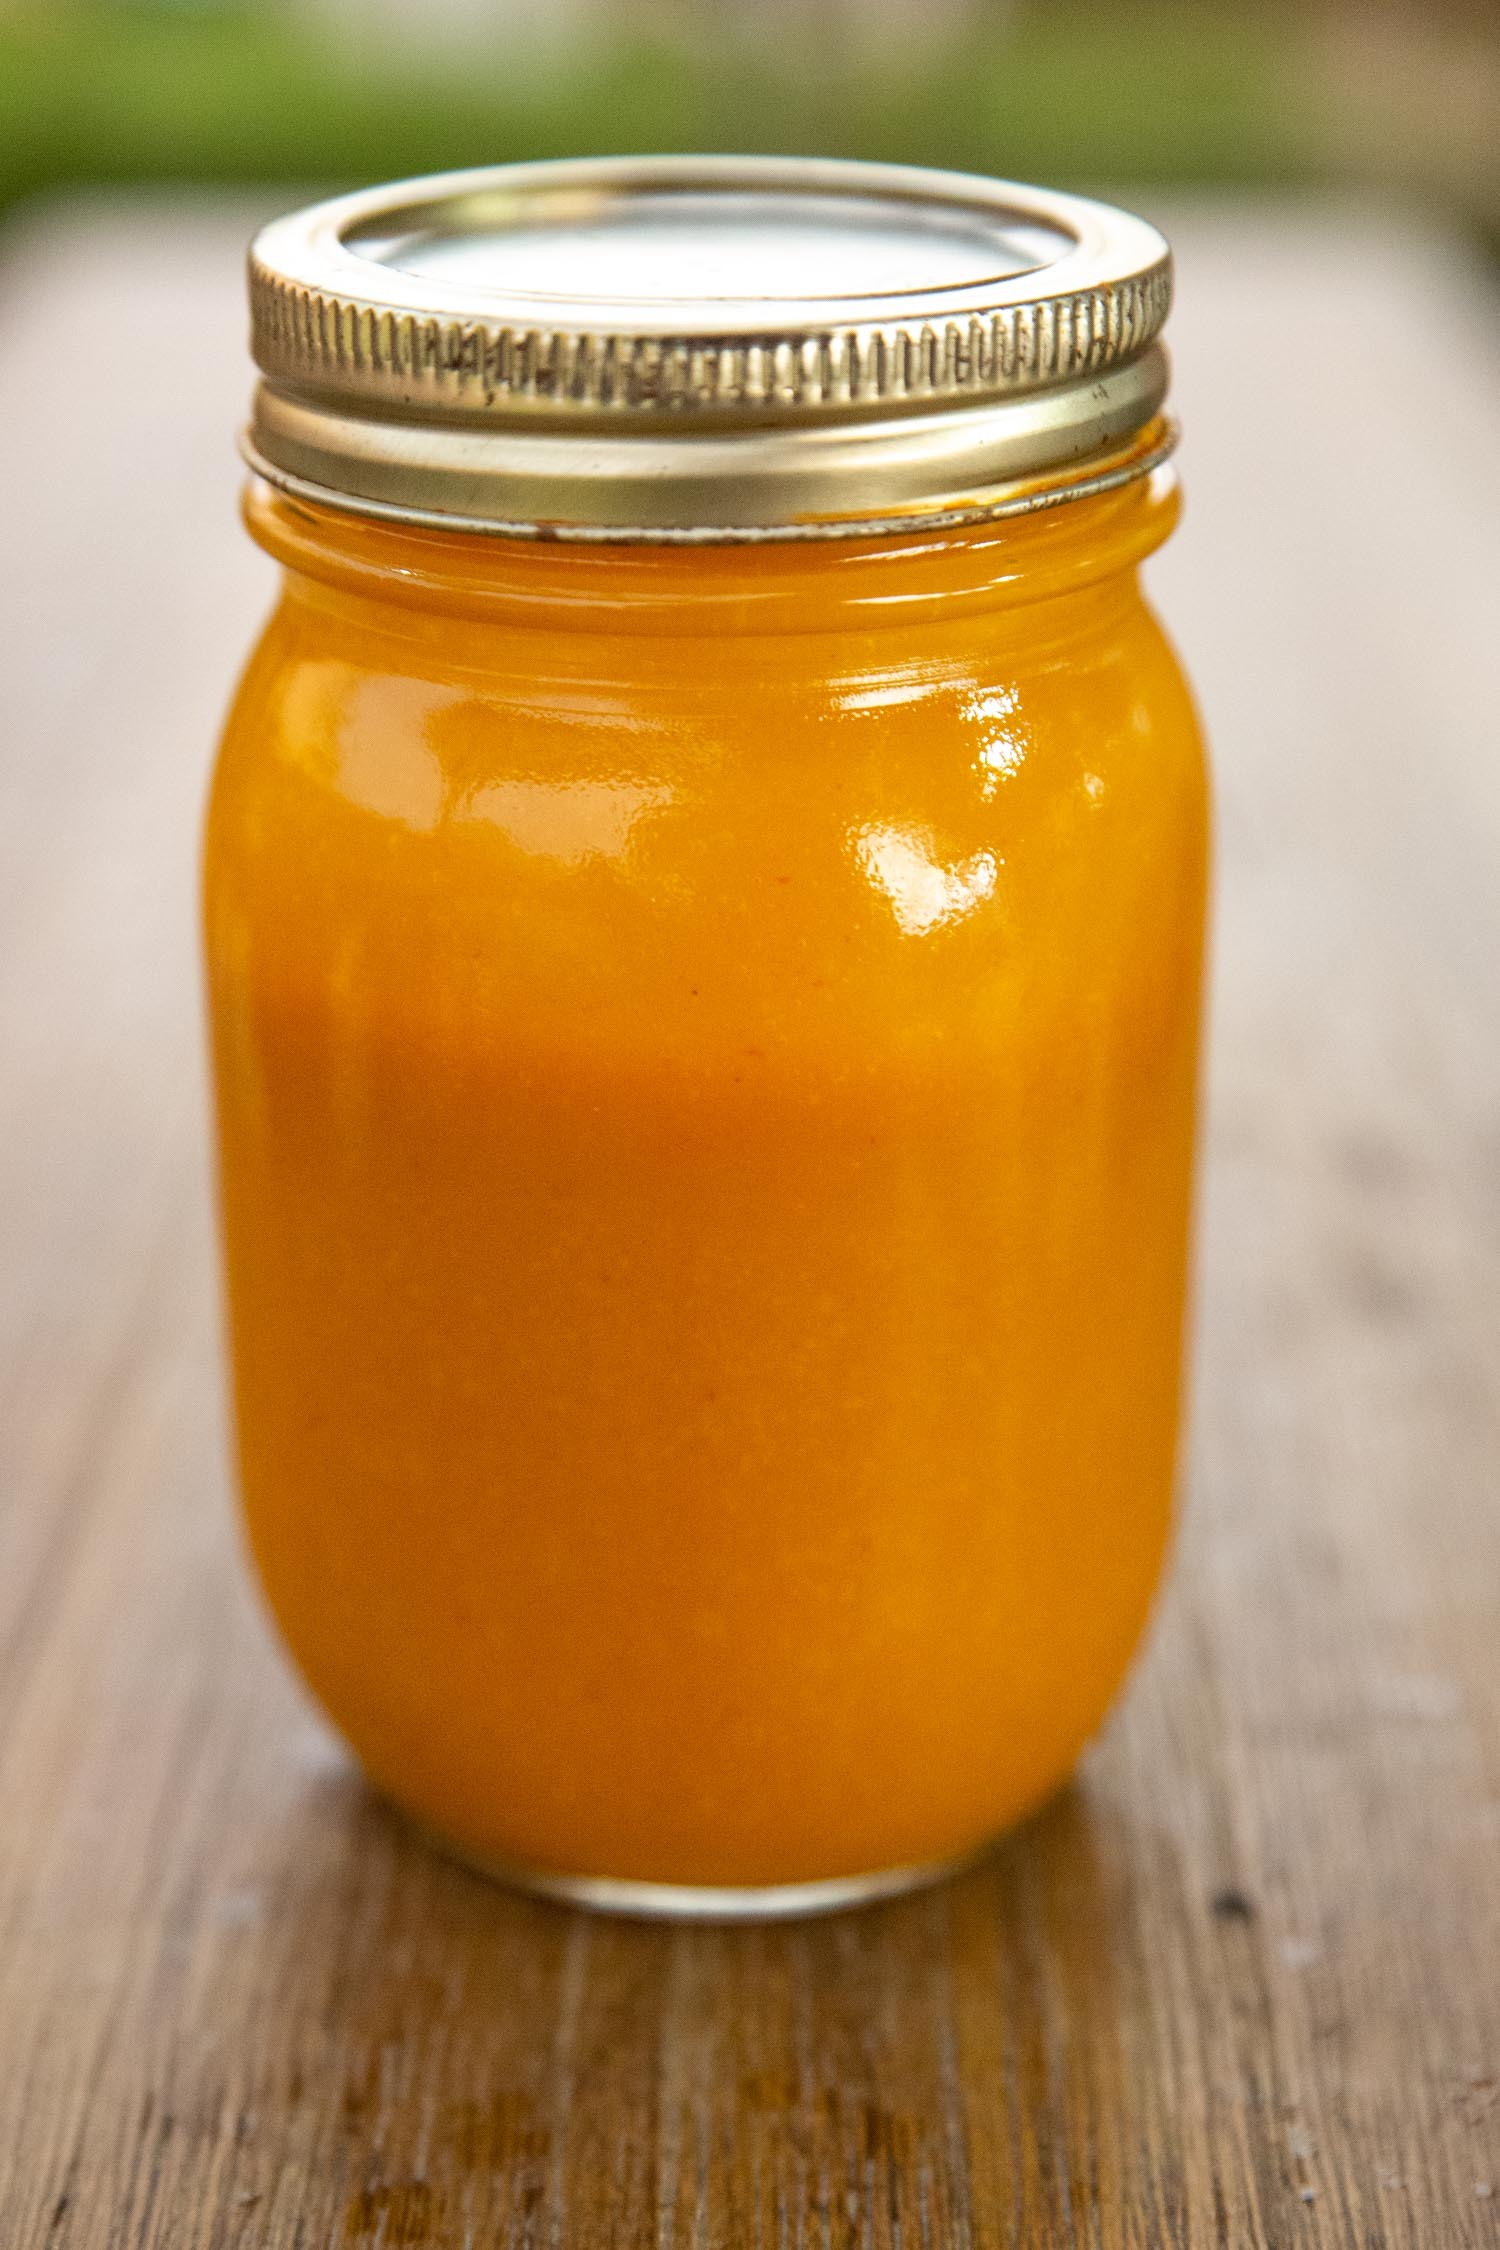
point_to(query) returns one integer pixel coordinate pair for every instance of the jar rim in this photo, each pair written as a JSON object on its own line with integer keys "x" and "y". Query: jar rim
{"x": 442, "y": 572}
{"x": 724, "y": 348}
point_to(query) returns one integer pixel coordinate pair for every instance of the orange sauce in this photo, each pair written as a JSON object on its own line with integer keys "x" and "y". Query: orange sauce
{"x": 706, "y": 1051}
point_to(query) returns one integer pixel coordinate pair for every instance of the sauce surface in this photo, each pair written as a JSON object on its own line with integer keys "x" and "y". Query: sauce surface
{"x": 706, "y": 1050}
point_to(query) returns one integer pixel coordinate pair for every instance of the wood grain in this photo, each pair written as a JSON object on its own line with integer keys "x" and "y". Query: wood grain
{"x": 1242, "y": 1984}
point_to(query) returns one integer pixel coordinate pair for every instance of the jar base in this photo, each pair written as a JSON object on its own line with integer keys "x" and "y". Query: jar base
{"x": 705, "y": 1902}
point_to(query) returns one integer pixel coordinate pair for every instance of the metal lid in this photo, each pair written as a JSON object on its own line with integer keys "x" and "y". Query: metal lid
{"x": 705, "y": 348}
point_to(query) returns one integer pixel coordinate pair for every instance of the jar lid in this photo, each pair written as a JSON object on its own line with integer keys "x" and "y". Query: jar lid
{"x": 710, "y": 348}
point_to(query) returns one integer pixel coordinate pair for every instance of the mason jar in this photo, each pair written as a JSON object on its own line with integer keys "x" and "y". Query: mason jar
{"x": 704, "y": 900}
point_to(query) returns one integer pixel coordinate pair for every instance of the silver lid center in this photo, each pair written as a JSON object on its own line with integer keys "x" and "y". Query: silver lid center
{"x": 687, "y": 246}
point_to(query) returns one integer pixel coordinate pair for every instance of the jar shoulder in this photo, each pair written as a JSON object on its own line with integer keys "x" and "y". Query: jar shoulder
{"x": 977, "y": 728}
{"x": 892, "y": 812}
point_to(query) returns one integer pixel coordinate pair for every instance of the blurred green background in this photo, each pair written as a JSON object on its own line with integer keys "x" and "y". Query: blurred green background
{"x": 1404, "y": 94}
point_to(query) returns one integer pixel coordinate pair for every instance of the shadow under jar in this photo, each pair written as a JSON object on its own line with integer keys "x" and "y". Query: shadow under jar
{"x": 705, "y": 883}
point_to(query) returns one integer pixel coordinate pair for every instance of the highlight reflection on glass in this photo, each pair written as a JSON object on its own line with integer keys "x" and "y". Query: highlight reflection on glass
{"x": 394, "y": 746}
{"x": 1006, "y": 740}
{"x": 924, "y": 893}
{"x": 569, "y": 821}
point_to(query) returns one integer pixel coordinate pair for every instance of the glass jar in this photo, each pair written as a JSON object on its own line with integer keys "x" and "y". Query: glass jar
{"x": 705, "y": 1011}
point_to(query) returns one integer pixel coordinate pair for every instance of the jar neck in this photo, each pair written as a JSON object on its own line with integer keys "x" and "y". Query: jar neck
{"x": 772, "y": 587}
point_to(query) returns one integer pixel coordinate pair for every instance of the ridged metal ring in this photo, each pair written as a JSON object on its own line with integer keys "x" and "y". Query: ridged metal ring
{"x": 406, "y": 371}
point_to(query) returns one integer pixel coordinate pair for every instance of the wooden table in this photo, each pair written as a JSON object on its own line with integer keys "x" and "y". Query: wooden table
{"x": 1242, "y": 1985}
